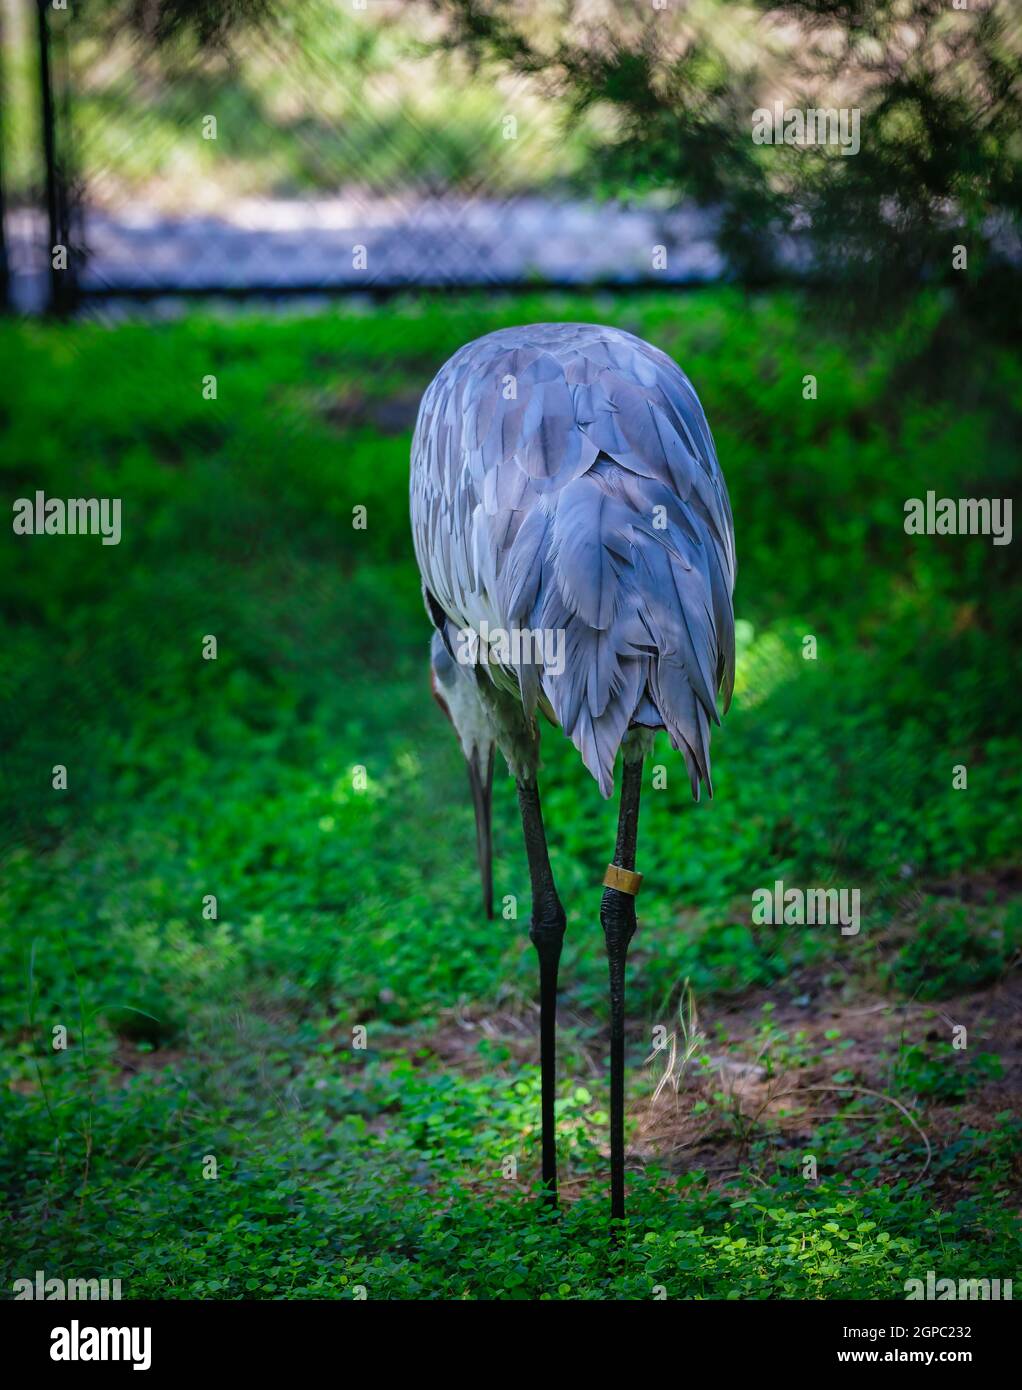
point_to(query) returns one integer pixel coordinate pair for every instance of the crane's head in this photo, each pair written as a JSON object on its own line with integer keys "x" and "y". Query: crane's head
{"x": 457, "y": 693}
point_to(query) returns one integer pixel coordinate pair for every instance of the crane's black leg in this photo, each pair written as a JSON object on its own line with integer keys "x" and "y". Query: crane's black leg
{"x": 546, "y": 932}
{"x": 617, "y": 916}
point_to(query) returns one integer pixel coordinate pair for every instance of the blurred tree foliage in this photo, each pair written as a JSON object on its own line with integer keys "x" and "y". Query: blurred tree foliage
{"x": 207, "y": 24}
{"x": 940, "y": 95}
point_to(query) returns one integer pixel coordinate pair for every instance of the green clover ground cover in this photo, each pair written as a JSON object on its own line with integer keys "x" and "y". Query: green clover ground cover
{"x": 341, "y": 905}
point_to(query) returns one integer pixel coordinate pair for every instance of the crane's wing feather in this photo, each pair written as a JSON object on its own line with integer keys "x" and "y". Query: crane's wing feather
{"x": 564, "y": 480}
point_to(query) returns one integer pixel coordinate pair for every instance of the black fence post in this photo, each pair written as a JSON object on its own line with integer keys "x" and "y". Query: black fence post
{"x": 63, "y": 268}
{"x": 5, "y": 270}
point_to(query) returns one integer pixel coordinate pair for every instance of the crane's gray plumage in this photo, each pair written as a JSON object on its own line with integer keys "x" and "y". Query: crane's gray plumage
{"x": 564, "y": 478}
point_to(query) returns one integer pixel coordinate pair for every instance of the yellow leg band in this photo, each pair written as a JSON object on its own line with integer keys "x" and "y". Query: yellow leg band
{"x": 624, "y": 880}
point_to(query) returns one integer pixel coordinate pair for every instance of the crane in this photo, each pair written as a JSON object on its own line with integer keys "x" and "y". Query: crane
{"x": 574, "y": 535}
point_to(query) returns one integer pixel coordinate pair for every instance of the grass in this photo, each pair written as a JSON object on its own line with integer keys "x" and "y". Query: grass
{"x": 214, "y": 1127}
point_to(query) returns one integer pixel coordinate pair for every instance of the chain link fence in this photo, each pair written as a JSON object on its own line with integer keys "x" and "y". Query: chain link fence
{"x": 330, "y": 151}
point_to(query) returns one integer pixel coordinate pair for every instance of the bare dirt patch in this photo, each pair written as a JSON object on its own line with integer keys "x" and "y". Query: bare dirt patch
{"x": 778, "y": 1077}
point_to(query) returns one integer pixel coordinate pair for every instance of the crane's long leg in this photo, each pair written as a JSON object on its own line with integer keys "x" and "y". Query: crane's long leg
{"x": 546, "y": 932}
{"x": 617, "y": 916}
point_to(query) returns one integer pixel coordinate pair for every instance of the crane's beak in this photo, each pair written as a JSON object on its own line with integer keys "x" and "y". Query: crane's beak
{"x": 480, "y": 781}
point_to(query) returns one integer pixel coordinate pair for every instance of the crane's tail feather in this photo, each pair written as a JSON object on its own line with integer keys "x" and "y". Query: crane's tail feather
{"x": 639, "y": 584}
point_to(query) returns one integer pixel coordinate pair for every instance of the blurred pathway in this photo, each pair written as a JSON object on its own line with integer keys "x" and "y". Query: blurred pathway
{"x": 310, "y": 245}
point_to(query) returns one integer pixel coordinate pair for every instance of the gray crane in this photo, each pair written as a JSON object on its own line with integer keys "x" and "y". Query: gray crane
{"x": 575, "y": 540}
